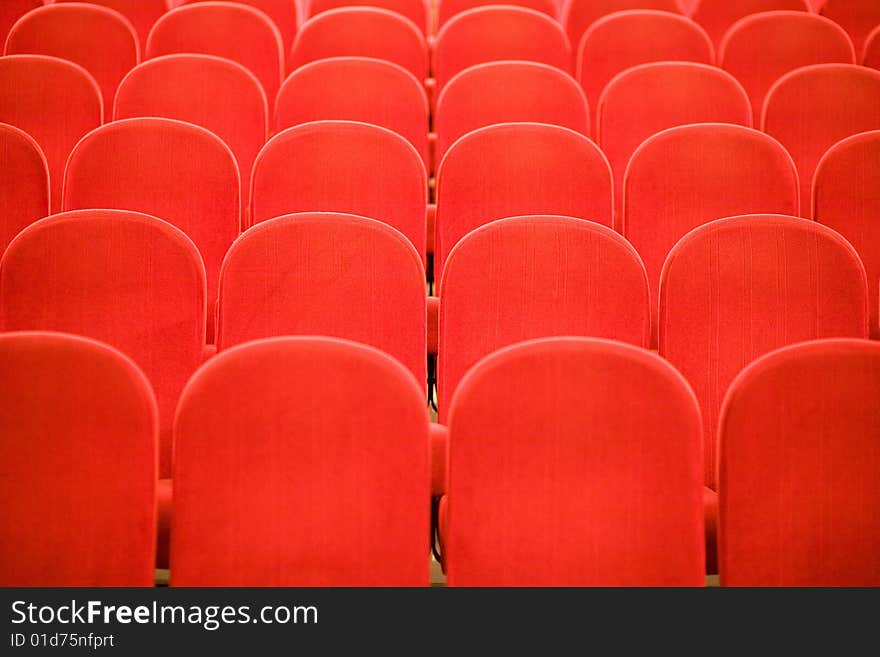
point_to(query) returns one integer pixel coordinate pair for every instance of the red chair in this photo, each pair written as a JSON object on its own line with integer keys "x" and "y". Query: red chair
{"x": 54, "y": 101}
{"x": 814, "y": 107}
{"x": 215, "y": 93}
{"x": 225, "y": 29}
{"x": 356, "y": 89}
{"x": 24, "y": 183}
{"x": 871, "y": 55}
{"x": 446, "y": 9}
{"x": 507, "y": 92}
{"x": 646, "y": 99}
{"x": 11, "y": 11}
{"x": 362, "y": 32}
{"x": 78, "y": 446}
{"x": 625, "y": 39}
{"x": 417, "y": 11}
{"x": 493, "y": 33}
{"x": 342, "y": 166}
{"x": 514, "y": 169}
{"x": 761, "y": 48}
{"x": 590, "y": 479}
{"x": 799, "y": 490}
{"x": 857, "y": 17}
{"x": 717, "y": 16}
{"x": 845, "y": 198}
{"x": 142, "y": 14}
{"x": 353, "y": 434}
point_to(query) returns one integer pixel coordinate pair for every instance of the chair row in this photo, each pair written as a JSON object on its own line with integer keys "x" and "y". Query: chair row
{"x": 266, "y": 482}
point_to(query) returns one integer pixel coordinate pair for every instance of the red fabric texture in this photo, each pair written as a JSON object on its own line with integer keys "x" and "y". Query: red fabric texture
{"x": 517, "y": 169}
{"x": 574, "y": 462}
{"x": 687, "y": 176}
{"x": 625, "y": 39}
{"x": 175, "y": 171}
{"x": 24, "y": 183}
{"x": 812, "y": 108}
{"x": 318, "y": 476}
{"x": 716, "y": 16}
{"x": 343, "y": 166}
{"x": 648, "y": 98}
{"x": 532, "y": 277}
{"x": 433, "y": 324}
{"x": 362, "y": 32}
{"x": 225, "y": 29}
{"x": 124, "y": 278}
{"x": 356, "y": 89}
{"x": 871, "y": 54}
{"x": 508, "y": 92}
{"x": 78, "y": 447}
{"x": 760, "y": 49}
{"x": 492, "y": 33}
{"x": 439, "y": 436}
{"x": 736, "y": 288}
{"x": 446, "y": 9}
{"x": 11, "y": 11}
{"x": 326, "y": 274}
{"x": 418, "y": 11}
{"x": 857, "y": 17}
{"x": 141, "y": 13}
{"x": 54, "y": 101}
{"x": 845, "y": 197}
{"x": 799, "y": 462}
{"x": 217, "y": 94}
{"x": 100, "y": 40}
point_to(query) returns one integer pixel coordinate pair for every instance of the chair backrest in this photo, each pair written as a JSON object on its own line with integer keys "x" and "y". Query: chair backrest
{"x": 417, "y": 11}
{"x": 574, "y": 462}
{"x": 11, "y": 11}
{"x": 215, "y": 93}
{"x": 514, "y": 169}
{"x": 845, "y": 198}
{"x": 871, "y": 52}
{"x": 142, "y": 14}
{"x": 124, "y": 278}
{"x": 716, "y": 16}
{"x": 175, "y": 171}
{"x": 225, "y": 29}
{"x": 506, "y": 92}
{"x": 648, "y": 98}
{"x": 520, "y": 278}
{"x": 857, "y": 17}
{"x": 354, "y": 435}
{"x": 494, "y": 33}
{"x": 326, "y": 274}
{"x": 761, "y": 48}
{"x": 54, "y": 101}
{"x": 737, "y": 288}
{"x": 446, "y": 9}
{"x": 799, "y": 489}
{"x": 342, "y": 166}
{"x": 24, "y": 183}
{"x": 625, "y": 39}
{"x": 356, "y": 89}
{"x": 362, "y": 32}
{"x": 78, "y": 444}
{"x": 812, "y": 108}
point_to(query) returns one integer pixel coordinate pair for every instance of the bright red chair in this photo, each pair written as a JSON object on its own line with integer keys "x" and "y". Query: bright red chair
{"x": 716, "y": 16}
{"x": 78, "y": 446}
{"x": 320, "y": 419}
{"x": 446, "y": 9}
{"x": 857, "y": 17}
{"x": 760, "y": 49}
{"x": 812, "y": 108}
{"x": 142, "y": 14}
{"x": 417, "y": 11}
{"x": 574, "y": 462}
{"x": 11, "y": 11}
{"x": 24, "y": 183}
{"x": 871, "y": 54}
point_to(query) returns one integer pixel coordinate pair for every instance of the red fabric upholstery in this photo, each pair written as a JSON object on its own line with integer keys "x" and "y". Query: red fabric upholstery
{"x": 439, "y": 435}
{"x": 531, "y": 277}
{"x": 736, "y": 288}
{"x": 78, "y": 447}
{"x": 11, "y": 11}
{"x": 225, "y": 29}
{"x": 24, "y": 183}
{"x": 176, "y": 171}
{"x": 124, "y": 278}
{"x": 760, "y": 49}
{"x": 343, "y": 166}
{"x": 446, "y": 9}
{"x": 625, "y": 39}
{"x": 215, "y": 93}
{"x": 518, "y": 169}
{"x": 506, "y": 92}
{"x": 418, "y": 11}
{"x": 646, "y": 99}
{"x": 100, "y": 40}
{"x": 716, "y": 16}
{"x": 141, "y": 13}
{"x": 857, "y": 17}
{"x": 591, "y": 478}
{"x": 356, "y": 89}
{"x": 871, "y": 54}
{"x": 492, "y": 33}
{"x": 845, "y": 198}
{"x": 362, "y": 32}
{"x": 334, "y": 494}
{"x": 55, "y": 101}
{"x": 799, "y": 462}
{"x": 686, "y": 176}
{"x": 812, "y": 108}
